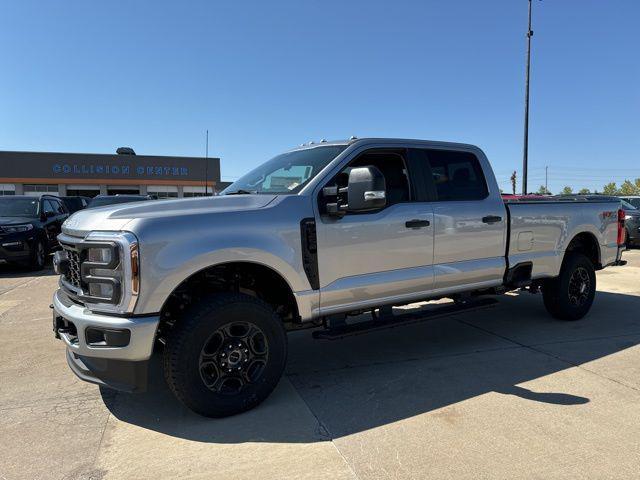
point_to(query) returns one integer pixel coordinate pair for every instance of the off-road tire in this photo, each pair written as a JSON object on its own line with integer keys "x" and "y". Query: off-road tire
{"x": 563, "y": 303}
{"x": 188, "y": 339}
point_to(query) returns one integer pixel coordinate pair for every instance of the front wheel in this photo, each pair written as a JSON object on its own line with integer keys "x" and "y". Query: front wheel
{"x": 571, "y": 294}
{"x": 226, "y": 355}
{"x": 38, "y": 256}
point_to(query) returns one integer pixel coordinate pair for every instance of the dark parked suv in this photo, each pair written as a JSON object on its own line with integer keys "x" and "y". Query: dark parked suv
{"x": 73, "y": 204}
{"x": 29, "y": 227}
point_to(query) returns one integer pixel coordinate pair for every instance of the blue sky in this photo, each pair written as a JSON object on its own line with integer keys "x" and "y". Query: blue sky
{"x": 84, "y": 76}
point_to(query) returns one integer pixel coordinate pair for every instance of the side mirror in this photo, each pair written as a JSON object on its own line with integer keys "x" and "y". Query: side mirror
{"x": 366, "y": 189}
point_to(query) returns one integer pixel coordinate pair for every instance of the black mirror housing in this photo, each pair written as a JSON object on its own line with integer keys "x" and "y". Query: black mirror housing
{"x": 366, "y": 189}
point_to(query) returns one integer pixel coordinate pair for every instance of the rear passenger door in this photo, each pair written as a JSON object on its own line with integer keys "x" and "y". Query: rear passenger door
{"x": 469, "y": 220}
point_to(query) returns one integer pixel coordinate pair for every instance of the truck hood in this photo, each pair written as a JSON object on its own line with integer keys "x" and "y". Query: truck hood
{"x": 116, "y": 217}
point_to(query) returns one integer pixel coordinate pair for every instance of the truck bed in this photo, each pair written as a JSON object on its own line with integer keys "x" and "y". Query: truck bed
{"x": 539, "y": 231}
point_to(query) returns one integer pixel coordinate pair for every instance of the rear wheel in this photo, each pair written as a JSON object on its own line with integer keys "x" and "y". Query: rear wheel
{"x": 226, "y": 355}
{"x": 571, "y": 294}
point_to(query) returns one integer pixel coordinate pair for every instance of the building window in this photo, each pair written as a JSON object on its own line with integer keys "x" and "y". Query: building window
{"x": 78, "y": 190}
{"x": 195, "y": 191}
{"x": 7, "y": 189}
{"x": 40, "y": 189}
{"x": 163, "y": 191}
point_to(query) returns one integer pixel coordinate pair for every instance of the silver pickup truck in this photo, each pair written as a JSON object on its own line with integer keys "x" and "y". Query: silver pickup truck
{"x": 310, "y": 237}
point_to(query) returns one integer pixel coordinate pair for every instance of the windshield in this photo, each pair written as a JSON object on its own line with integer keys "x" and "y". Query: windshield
{"x": 286, "y": 173}
{"x": 19, "y": 207}
{"x": 103, "y": 201}
{"x": 627, "y": 206}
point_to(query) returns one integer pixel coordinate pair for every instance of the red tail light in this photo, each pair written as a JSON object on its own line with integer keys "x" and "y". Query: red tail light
{"x": 621, "y": 230}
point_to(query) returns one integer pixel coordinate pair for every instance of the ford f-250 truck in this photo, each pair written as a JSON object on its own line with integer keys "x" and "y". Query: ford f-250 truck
{"x": 311, "y": 236}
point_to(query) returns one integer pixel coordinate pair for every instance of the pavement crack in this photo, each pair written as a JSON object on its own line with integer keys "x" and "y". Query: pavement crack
{"x": 11, "y": 289}
{"x": 325, "y": 433}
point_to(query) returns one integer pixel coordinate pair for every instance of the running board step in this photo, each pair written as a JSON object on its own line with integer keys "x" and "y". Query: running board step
{"x": 347, "y": 330}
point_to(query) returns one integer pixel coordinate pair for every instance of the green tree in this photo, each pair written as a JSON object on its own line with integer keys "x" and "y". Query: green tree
{"x": 567, "y": 190}
{"x": 637, "y": 182}
{"x": 543, "y": 190}
{"x": 584, "y": 191}
{"x": 610, "y": 189}
{"x": 628, "y": 188}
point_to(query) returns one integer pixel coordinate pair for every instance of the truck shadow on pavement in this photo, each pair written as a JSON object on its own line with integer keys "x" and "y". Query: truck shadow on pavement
{"x": 337, "y": 388}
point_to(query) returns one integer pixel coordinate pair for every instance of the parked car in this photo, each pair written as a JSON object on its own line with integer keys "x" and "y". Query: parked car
{"x": 29, "y": 227}
{"x": 313, "y": 235}
{"x": 632, "y": 199}
{"x": 632, "y": 224}
{"x": 529, "y": 196}
{"x": 104, "y": 200}
{"x": 74, "y": 204}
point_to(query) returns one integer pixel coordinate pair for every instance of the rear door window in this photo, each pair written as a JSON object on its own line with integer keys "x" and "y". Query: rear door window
{"x": 456, "y": 176}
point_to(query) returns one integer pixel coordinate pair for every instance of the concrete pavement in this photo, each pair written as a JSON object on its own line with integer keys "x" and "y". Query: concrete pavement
{"x": 506, "y": 392}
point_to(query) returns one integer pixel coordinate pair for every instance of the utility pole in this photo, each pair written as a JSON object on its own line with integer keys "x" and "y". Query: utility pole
{"x": 525, "y": 153}
{"x": 206, "y": 165}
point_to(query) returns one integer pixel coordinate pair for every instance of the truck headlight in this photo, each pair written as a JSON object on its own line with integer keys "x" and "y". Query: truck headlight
{"x": 109, "y": 271}
{"x": 98, "y": 254}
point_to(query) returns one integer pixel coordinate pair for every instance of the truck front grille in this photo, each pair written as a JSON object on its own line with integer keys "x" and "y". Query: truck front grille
{"x": 73, "y": 273}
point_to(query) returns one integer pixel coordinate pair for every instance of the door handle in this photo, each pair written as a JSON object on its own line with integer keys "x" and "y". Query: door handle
{"x": 416, "y": 223}
{"x": 491, "y": 219}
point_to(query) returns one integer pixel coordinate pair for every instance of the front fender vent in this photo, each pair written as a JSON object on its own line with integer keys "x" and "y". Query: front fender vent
{"x": 310, "y": 251}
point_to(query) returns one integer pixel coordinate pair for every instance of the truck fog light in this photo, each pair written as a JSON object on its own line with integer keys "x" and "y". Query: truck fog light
{"x": 99, "y": 255}
{"x": 101, "y": 290}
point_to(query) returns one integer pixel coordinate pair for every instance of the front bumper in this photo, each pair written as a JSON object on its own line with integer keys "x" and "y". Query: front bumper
{"x": 15, "y": 247}
{"x": 121, "y": 367}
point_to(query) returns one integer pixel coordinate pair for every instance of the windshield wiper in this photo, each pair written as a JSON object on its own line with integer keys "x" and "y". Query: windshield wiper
{"x": 242, "y": 192}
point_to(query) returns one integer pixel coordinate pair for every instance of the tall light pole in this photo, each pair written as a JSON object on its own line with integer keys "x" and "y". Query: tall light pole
{"x": 206, "y": 165}
{"x": 525, "y": 153}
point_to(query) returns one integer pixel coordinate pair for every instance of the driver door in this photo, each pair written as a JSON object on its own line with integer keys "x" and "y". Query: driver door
{"x": 385, "y": 256}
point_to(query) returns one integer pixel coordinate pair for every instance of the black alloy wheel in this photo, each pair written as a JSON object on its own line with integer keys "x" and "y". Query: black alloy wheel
{"x": 234, "y": 356}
